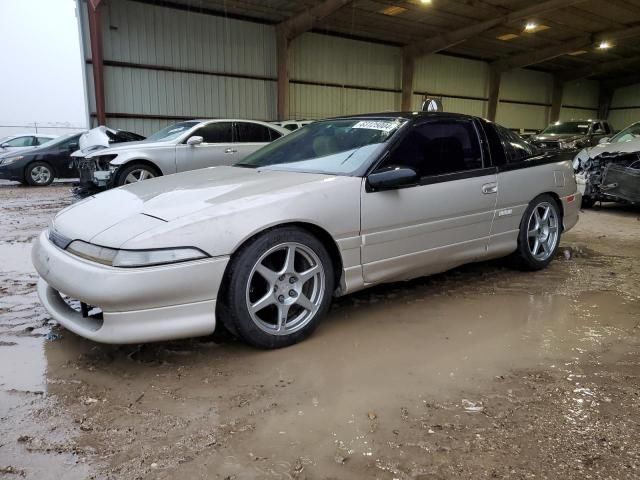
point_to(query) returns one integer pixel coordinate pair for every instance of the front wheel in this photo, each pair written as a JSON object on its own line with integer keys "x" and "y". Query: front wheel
{"x": 539, "y": 235}
{"x": 39, "y": 174}
{"x": 136, "y": 172}
{"x": 277, "y": 289}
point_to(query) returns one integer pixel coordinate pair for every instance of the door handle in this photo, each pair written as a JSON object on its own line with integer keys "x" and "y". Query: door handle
{"x": 489, "y": 188}
{"x": 230, "y": 150}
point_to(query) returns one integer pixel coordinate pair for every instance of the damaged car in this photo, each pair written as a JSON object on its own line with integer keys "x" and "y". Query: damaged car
{"x": 263, "y": 246}
{"x": 610, "y": 172}
{"x": 571, "y": 135}
{"x": 180, "y": 147}
{"x": 94, "y": 140}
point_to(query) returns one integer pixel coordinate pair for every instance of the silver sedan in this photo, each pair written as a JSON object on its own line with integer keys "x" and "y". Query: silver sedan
{"x": 262, "y": 247}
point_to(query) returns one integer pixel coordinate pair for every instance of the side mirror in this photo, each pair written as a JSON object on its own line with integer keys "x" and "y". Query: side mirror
{"x": 393, "y": 176}
{"x": 193, "y": 141}
{"x": 604, "y": 140}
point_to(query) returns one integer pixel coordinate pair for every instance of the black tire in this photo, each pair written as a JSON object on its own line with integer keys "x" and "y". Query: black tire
{"x": 587, "y": 201}
{"x": 132, "y": 168}
{"x": 523, "y": 256}
{"x": 233, "y": 310}
{"x": 39, "y": 174}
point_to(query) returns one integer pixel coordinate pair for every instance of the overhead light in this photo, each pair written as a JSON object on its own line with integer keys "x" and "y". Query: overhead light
{"x": 533, "y": 27}
{"x": 604, "y": 45}
{"x": 425, "y": 2}
{"x": 392, "y": 11}
{"x": 507, "y": 36}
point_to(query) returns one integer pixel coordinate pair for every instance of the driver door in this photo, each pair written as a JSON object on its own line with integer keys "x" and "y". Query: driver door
{"x": 217, "y": 148}
{"x": 444, "y": 220}
{"x": 61, "y": 159}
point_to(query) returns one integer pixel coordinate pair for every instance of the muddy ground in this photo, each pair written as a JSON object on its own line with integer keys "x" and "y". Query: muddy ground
{"x": 482, "y": 372}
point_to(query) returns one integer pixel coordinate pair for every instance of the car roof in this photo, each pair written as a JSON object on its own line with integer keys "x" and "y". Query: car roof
{"x": 17, "y": 135}
{"x": 408, "y": 115}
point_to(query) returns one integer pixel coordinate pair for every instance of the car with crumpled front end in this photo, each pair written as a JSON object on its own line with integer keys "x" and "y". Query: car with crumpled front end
{"x": 610, "y": 171}
{"x": 183, "y": 146}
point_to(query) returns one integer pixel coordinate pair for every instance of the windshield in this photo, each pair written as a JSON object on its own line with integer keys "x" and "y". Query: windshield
{"x": 337, "y": 147}
{"x": 172, "y": 131}
{"x": 576, "y": 128}
{"x": 630, "y": 133}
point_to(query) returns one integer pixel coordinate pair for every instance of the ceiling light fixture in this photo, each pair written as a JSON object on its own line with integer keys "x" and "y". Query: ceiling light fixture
{"x": 425, "y": 2}
{"x": 530, "y": 26}
{"x": 393, "y": 10}
{"x": 604, "y": 45}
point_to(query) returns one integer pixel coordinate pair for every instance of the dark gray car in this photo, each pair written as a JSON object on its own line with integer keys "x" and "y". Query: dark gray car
{"x": 572, "y": 135}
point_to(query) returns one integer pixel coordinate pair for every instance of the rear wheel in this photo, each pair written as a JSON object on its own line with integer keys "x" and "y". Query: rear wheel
{"x": 278, "y": 288}
{"x": 39, "y": 174}
{"x": 136, "y": 172}
{"x": 540, "y": 231}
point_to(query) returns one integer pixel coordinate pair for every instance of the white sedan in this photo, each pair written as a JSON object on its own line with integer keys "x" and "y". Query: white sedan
{"x": 263, "y": 246}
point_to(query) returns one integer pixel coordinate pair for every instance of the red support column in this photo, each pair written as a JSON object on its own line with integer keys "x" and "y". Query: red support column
{"x": 97, "y": 61}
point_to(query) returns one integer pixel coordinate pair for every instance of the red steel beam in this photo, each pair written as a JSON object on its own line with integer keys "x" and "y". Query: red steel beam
{"x": 97, "y": 60}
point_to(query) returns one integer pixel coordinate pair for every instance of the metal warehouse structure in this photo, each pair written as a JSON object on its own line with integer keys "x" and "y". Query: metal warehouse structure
{"x": 521, "y": 62}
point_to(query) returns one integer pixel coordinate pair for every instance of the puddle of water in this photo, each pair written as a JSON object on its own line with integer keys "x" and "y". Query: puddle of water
{"x": 400, "y": 353}
{"x": 379, "y": 358}
{"x": 23, "y": 365}
{"x": 16, "y": 257}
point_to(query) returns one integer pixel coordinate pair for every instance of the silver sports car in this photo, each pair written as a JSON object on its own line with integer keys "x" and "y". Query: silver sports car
{"x": 335, "y": 207}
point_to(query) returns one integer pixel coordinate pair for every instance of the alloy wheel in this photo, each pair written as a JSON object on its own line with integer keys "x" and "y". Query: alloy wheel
{"x": 542, "y": 231}
{"x": 138, "y": 175}
{"x": 285, "y": 289}
{"x": 40, "y": 175}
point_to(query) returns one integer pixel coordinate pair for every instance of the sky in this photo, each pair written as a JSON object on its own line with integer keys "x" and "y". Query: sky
{"x": 41, "y": 63}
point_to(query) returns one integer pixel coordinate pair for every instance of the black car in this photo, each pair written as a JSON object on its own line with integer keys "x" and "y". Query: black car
{"x": 571, "y": 135}
{"x": 41, "y": 165}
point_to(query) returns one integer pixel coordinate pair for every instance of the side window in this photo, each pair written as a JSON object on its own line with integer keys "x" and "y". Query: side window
{"x": 498, "y": 156}
{"x": 291, "y": 126}
{"x": 42, "y": 140}
{"x": 597, "y": 128}
{"x": 218, "y": 132}
{"x": 71, "y": 144}
{"x": 439, "y": 147}
{"x": 515, "y": 148}
{"x": 252, "y": 133}
{"x": 20, "y": 142}
{"x": 274, "y": 134}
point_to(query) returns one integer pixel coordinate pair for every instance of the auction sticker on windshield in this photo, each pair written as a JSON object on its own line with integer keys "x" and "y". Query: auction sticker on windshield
{"x": 383, "y": 125}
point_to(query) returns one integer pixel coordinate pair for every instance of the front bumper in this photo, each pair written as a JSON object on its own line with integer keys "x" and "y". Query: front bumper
{"x": 93, "y": 174}
{"x": 12, "y": 172}
{"x": 138, "y": 304}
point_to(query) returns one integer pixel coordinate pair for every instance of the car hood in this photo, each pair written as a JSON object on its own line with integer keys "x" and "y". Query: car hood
{"x": 554, "y": 137}
{"x": 127, "y": 147}
{"x": 113, "y": 217}
{"x": 623, "y": 147}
